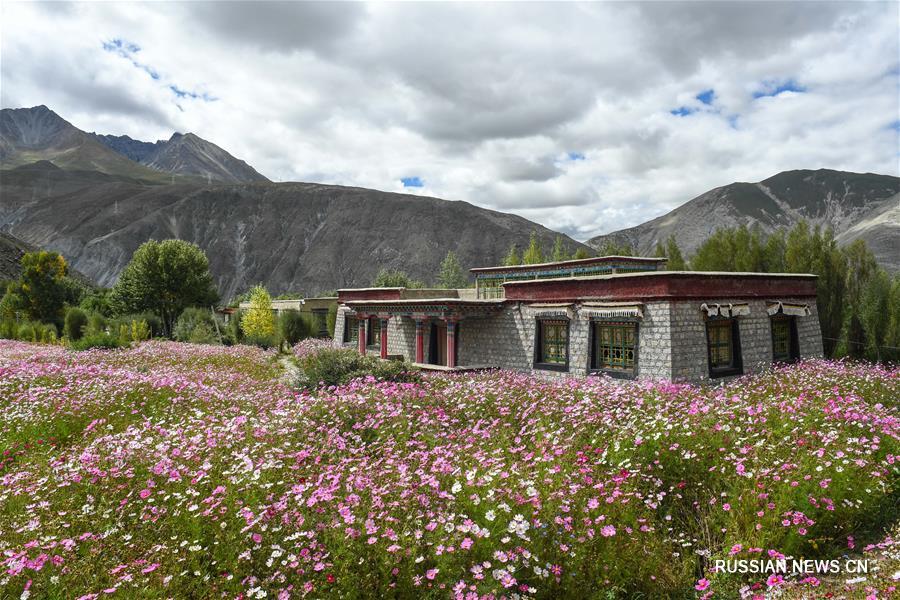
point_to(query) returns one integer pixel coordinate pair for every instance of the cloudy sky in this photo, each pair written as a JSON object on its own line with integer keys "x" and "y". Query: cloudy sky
{"x": 584, "y": 117}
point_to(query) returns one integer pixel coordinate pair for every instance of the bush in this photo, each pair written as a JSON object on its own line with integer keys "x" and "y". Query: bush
{"x": 203, "y": 333}
{"x": 96, "y": 325}
{"x": 233, "y": 333}
{"x": 337, "y": 366}
{"x": 293, "y": 327}
{"x": 189, "y": 320}
{"x": 8, "y": 329}
{"x": 97, "y": 340}
{"x": 154, "y": 323}
{"x": 263, "y": 341}
{"x": 76, "y": 321}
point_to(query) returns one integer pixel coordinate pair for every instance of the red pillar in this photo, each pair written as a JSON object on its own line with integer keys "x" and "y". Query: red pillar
{"x": 420, "y": 341}
{"x": 361, "y": 343}
{"x": 384, "y": 334}
{"x": 451, "y": 343}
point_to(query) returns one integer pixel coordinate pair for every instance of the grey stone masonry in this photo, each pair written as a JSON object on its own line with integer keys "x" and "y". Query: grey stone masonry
{"x": 671, "y": 338}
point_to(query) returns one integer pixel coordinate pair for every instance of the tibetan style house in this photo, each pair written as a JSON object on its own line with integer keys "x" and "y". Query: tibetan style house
{"x": 624, "y": 316}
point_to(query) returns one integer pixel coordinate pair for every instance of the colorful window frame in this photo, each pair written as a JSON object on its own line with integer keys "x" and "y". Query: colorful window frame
{"x": 351, "y": 329}
{"x": 723, "y": 347}
{"x": 785, "y": 343}
{"x": 551, "y": 344}
{"x": 614, "y": 347}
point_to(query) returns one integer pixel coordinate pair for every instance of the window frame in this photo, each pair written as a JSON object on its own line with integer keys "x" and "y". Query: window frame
{"x": 371, "y": 342}
{"x": 793, "y": 338}
{"x": 593, "y": 361}
{"x": 348, "y": 336}
{"x": 737, "y": 366}
{"x": 538, "y": 344}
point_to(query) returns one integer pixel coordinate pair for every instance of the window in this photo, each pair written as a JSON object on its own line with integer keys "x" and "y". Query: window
{"x": 373, "y": 332}
{"x": 552, "y": 344}
{"x": 614, "y": 347}
{"x": 784, "y": 338}
{"x": 351, "y": 329}
{"x": 723, "y": 347}
{"x": 320, "y": 321}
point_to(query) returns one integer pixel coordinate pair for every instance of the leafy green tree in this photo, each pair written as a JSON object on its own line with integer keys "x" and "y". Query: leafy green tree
{"x": 258, "y": 322}
{"x": 773, "y": 253}
{"x": 875, "y": 312}
{"x": 42, "y": 290}
{"x": 512, "y": 257}
{"x": 861, "y": 266}
{"x": 611, "y": 248}
{"x": 533, "y": 254}
{"x": 293, "y": 327}
{"x": 76, "y": 321}
{"x": 892, "y": 336}
{"x": 190, "y": 319}
{"x": 98, "y": 301}
{"x": 165, "y": 278}
{"x": 395, "y": 278}
{"x": 559, "y": 251}
{"x": 581, "y": 253}
{"x": 452, "y": 275}
{"x": 673, "y": 253}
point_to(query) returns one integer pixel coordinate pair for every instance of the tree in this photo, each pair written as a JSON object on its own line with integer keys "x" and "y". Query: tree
{"x": 190, "y": 319}
{"x": 164, "y": 278}
{"x": 559, "y": 252}
{"x": 860, "y": 268}
{"x": 512, "y": 257}
{"x": 581, "y": 253}
{"x": 42, "y": 291}
{"x": 533, "y": 254}
{"x": 452, "y": 275}
{"x": 258, "y": 322}
{"x": 875, "y": 312}
{"x": 673, "y": 253}
{"x": 76, "y": 321}
{"x": 395, "y": 278}
{"x": 293, "y": 327}
{"x": 611, "y": 248}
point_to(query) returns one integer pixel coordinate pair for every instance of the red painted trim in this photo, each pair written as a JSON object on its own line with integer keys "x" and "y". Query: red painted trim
{"x": 361, "y": 344}
{"x": 420, "y": 341}
{"x": 451, "y": 343}
{"x": 369, "y": 294}
{"x": 581, "y": 262}
{"x": 384, "y": 334}
{"x": 669, "y": 286}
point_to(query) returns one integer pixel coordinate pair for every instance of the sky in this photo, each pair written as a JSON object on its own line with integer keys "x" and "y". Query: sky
{"x": 586, "y": 118}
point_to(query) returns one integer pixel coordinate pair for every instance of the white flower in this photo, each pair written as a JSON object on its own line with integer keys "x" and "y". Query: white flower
{"x": 490, "y": 515}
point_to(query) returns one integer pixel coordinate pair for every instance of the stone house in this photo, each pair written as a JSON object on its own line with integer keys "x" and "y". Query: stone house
{"x": 627, "y": 317}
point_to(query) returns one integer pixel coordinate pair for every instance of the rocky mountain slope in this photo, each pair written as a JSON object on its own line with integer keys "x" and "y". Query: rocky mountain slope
{"x": 301, "y": 237}
{"x": 28, "y": 135}
{"x": 855, "y": 205}
{"x": 11, "y": 251}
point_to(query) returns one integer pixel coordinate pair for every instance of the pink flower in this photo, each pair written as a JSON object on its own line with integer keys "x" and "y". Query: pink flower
{"x": 466, "y": 543}
{"x": 702, "y": 584}
{"x": 257, "y": 538}
{"x": 726, "y": 507}
{"x": 735, "y": 549}
{"x": 150, "y": 569}
{"x": 145, "y": 493}
{"x": 608, "y": 531}
{"x": 774, "y": 580}
{"x": 430, "y": 574}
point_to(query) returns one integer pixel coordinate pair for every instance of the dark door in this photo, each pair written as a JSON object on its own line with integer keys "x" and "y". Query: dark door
{"x": 437, "y": 343}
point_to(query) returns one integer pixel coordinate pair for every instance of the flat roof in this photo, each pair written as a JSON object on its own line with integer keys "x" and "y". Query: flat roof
{"x": 570, "y": 263}
{"x": 473, "y": 301}
{"x": 609, "y": 276}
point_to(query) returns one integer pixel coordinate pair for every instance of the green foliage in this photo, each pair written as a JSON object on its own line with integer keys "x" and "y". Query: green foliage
{"x": 140, "y": 331}
{"x": 233, "y": 333}
{"x": 289, "y": 296}
{"x": 190, "y": 319}
{"x": 581, "y": 253}
{"x": 154, "y": 324}
{"x": 512, "y": 257}
{"x": 204, "y": 333}
{"x": 534, "y": 254}
{"x": 452, "y": 275}
{"x": 331, "y": 320}
{"x": 76, "y": 322}
{"x": 293, "y": 327}
{"x": 875, "y": 313}
{"x": 96, "y": 325}
{"x": 258, "y": 323}
{"x": 559, "y": 251}
{"x": 42, "y": 290}
{"x": 611, "y": 248}
{"x": 164, "y": 278}
{"x": 8, "y": 329}
{"x": 103, "y": 341}
{"x": 394, "y": 278}
{"x": 98, "y": 301}
{"x": 336, "y": 366}
{"x": 672, "y": 252}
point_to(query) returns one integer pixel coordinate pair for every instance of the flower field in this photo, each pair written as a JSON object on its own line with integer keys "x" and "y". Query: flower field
{"x": 175, "y": 470}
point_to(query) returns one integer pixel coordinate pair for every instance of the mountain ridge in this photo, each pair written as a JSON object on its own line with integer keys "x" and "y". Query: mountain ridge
{"x": 854, "y": 205}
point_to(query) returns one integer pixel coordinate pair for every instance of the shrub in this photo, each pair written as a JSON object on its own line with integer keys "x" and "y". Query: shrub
{"x": 154, "y": 324}
{"x": 336, "y": 366}
{"x": 233, "y": 333}
{"x": 258, "y": 323}
{"x": 189, "y": 320}
{"x": 140, "y": 331}
{"x": 293, "y": 327}
{"x": 203, "y": 333}
{"x": 76, "y": 321}
{"x": 97, "y": 340}
{"x": 96, "y": 324}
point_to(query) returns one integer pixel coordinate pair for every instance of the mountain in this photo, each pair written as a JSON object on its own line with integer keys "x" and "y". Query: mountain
{"x": 854, "y": 205}
{"x": 11, "y": 251}
{"x": 301, "y": 237}
{"x": 28, "y": 135}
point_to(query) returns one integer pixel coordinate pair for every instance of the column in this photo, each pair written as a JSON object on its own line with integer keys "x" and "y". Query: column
{"x": 384, "y": 334}
{"x": 451, "y": 343}
{"x": 361, "y": 343}
{"x": 420, "y": 340}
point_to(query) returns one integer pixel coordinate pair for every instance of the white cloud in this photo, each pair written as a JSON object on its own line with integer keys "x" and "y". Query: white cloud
{"x": 482, "y": 102}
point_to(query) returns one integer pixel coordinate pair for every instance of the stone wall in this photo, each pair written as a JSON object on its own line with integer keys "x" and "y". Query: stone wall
{"x": 671, "y": 338}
